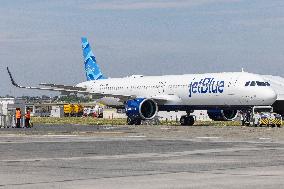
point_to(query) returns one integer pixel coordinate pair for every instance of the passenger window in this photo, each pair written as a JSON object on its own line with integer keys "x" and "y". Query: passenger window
{"x": 263, "y": 84}
{"x": 252, "y": 83}
{"x": 267, "y": 84}
{"x": 247, "y": 83}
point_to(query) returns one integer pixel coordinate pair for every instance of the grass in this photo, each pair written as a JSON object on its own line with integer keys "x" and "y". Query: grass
{"x": 77, "y": 120}
{"x": 96, "y": 121}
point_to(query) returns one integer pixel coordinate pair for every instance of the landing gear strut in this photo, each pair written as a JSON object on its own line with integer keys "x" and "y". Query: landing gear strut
{"x": 133, "y": 121}
{"x": 187, "y": 120}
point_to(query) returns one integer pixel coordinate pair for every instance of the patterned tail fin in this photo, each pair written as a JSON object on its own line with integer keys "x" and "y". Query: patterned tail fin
{"x": 93, "y": 71}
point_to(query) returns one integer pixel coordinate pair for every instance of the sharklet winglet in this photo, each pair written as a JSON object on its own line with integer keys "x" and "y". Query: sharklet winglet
{"x": 12, "y": 79}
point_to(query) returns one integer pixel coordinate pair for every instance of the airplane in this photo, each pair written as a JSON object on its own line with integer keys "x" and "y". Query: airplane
{"x": 221, "y": 94}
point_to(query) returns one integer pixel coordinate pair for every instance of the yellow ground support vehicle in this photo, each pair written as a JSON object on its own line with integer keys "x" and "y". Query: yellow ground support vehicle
{"x": 73, "y": 110}
{"x": 262, "y": 116}
{"x": 78, "y": 110}
{"x": 67, "y": 110}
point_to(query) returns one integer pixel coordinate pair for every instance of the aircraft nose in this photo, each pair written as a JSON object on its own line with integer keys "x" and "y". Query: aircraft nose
{"x": 269, "y": 95}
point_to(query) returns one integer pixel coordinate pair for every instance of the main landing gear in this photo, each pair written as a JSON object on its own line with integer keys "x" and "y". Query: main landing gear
{"x": 187, "y": 120}
{"x": 133, "y": 121}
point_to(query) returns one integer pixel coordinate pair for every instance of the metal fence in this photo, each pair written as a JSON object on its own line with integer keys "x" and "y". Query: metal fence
{"x": 7, "y": 121}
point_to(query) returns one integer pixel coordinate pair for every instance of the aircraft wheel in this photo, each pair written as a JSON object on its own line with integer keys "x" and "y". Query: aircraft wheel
{"x": 190, "y": 120}
{"x": 133, "y": 121}
{"x": 186, "y": 120}
{"x": 137, "y": 122}
{"x": 130, "y": 121}
{"x": 182, "y": 120}
{"x": 278, "y": 125}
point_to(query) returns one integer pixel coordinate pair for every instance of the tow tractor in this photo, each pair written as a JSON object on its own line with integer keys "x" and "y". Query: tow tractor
{"x": 261, "y": 116}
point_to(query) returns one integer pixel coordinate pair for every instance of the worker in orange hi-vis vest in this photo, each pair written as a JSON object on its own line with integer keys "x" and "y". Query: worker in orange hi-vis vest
{"x": 18, "y": 117}
{"x": 27, "y": 118}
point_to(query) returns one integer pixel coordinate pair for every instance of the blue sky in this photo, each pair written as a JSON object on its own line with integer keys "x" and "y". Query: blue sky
{"x": 40, "y": 40}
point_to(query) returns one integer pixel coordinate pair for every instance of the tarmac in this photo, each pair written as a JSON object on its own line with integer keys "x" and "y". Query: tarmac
{"x": 82, "y": 157}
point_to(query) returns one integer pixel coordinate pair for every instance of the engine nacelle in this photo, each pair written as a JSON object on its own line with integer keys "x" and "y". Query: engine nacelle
{"x": 141, "y": 108}
{"x": 222, "y": 115}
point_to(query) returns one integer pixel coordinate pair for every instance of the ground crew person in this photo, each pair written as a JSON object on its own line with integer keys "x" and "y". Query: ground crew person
{"x": 248, "y": 114}
{"x": 18, "y": 117}
{"x": 27, "y": 118}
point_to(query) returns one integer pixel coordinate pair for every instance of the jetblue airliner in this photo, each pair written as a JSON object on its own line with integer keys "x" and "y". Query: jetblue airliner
{"x": 222, "y": 94}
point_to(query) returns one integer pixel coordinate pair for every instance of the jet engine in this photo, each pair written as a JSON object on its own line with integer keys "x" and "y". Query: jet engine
{"x": 222, "y": 115}
{"x": 141, "y": 108}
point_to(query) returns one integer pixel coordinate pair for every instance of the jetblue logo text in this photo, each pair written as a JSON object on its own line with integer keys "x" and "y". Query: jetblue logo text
{"x": 206, "y": 85}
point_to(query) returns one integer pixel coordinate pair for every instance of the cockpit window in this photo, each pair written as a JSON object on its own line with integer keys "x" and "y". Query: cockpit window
{"x": 260, "y": 83}
{"x": 257, "y": 83}
{"x": 252, "y": 83}
{"x": 247, "y": 83}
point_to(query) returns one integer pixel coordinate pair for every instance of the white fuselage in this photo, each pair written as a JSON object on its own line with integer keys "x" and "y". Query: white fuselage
{"x": 200, "y": 90}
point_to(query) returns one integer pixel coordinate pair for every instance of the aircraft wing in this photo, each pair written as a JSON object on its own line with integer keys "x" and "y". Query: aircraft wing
{"x": 82, "y": 90}
{"x": 162, "y": 99}
{"x": 49, "y": 87}
{"x": 63, "y": 86}
{"x": 66, "y": 89}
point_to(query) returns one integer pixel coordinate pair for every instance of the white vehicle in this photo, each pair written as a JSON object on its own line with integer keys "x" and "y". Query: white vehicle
{"x": 262, "y": 115}
{"x": 222, "y": 94}
{"x": 86, "y": 111}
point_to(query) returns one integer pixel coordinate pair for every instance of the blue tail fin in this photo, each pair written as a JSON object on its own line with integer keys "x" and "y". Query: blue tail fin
{"x": 93, "y": 71}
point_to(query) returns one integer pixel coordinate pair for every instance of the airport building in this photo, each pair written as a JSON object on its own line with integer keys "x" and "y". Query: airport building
{"x": 201, "y": 115}
{"x": 7, "y": 110}
{"x": 8, "y": 105}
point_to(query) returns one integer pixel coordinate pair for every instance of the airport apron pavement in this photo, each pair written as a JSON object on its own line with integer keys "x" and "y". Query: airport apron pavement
{"x": 69, "y": 161}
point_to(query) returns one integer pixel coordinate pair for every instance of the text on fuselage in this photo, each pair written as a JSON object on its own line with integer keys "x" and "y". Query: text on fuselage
{"x": 206, "y": 85}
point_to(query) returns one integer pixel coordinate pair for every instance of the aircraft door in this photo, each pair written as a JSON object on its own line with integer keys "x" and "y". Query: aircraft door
{"x": 161, "y": 87}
